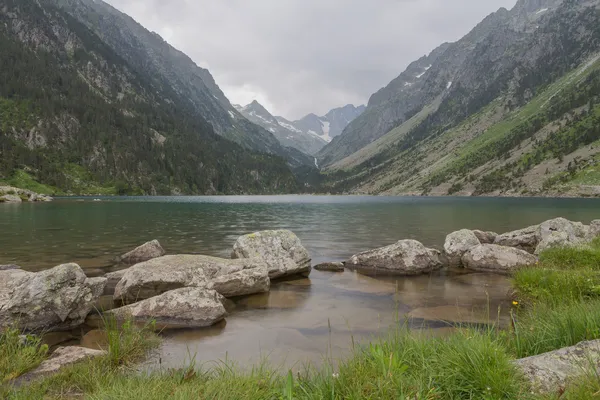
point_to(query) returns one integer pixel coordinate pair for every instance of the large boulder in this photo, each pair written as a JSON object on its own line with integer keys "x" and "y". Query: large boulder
{"x": 525, "y": 239}
{"x": 56, "y": 299}
{"x": 594, "y": 231}
{"x": 181, "y": 308}
{"x": 406, "y": 257}
{"x": 458, "y": 243}
{"x": 561, "y": 232}
{"x": 495, "y": 258}
{"x": 574, "y": 230}
{"x": 145, "y": 252}
{"x": 549, "y": 372}
{"x": 282, "y": 250}
{"x": 485, "y": 237}
{"x": 10, "y": 198}
{"x": 159, "y": 275}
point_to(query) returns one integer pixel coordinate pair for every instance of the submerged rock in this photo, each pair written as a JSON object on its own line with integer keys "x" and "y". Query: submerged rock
{"x": 525, "y": 239}
{"x": 549, "y": 372}
{"x": 406, "y": 257}
{"x": 145, "y": 252}
{"x": 495, "y": 258}
{"x": 181, "y": 308}
{"x": 56, "y": 299}
{"x": 282, "y": 250}
{"x": 9, "y": 267}
{"x": 330, "y": 267}
{"x": 159, "y": 275}
{"x": 485, "y": 237}
{"x": 458, "y": 243}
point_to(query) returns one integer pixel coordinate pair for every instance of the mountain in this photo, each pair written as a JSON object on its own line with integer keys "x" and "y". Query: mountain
{"x": 149, "y": 53}
{"x": 509, "y": 109}
{"x": 450, "y": 67}
{"x": 91, "y": 102}
{"x": 328, "y": 126}
{"x": 308, "y": 143}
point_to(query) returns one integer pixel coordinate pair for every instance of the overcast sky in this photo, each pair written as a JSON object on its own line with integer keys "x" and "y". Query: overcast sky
{"x": 301, "y": 56}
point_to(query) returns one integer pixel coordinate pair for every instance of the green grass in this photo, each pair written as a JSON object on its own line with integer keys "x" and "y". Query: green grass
{"x": 127, "y": 344}
{"x": 562, "y": 275}
{"x": 23, "y": 180}
{"x": 546, "y": 327}
{"x": 561, "y": 308}
{"x": 19, "y": 354}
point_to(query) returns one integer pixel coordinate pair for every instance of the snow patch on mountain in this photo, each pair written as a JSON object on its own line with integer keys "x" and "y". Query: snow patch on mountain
{"x": 449, "y": 85}
{"x": 231, "y": 113}
{"x": 326, "y": 129}
{"x": 542, "y": 11}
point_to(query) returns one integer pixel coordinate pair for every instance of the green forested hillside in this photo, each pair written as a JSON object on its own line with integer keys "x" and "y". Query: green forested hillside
{"x": 76, "y": 117}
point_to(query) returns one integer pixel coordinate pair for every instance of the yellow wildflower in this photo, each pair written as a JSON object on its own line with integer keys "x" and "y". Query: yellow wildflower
{"x": 515, "y": 303}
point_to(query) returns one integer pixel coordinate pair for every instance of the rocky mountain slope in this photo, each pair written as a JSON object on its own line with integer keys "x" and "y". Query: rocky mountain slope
{"x": 328, "y": 126}
{"x": 149, "y": 54}
{"x": 511, "y": 108}
{"x": 90, "y": 102}
{"x": 309, "y": 143}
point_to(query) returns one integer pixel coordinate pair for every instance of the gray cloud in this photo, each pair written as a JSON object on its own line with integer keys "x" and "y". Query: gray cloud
{"x": 301, "y": 56}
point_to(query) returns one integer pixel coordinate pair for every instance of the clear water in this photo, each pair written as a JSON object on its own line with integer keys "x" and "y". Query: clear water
{"x": 301, "y": 320}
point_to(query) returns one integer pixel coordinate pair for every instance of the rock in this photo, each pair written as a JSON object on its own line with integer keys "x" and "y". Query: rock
{"x": 181, "y": 308}
{"x": 574, "y": 230}
{"x": 62, "y": 357}
{"x": 561, "y": 232}
{"x": 550, "y": 372}
{"x": 11, "y": 198}
{"x": 330, "y": 267}
{"x": 159, "y": 275}
{"x": 145, "y": 252}
{"x": 594, "y": 231}
{"x": 406, "y": 257}
{"x": 9, "y": 267}
{"x": 557, "y": 239}
{"x": 525, "y": 239}
{"x": 281, "y": 250}
{"x": 113, "y": 279}
{"x": 457, "y": 244}
{"x": 485, "y": 237}
{"x": 495, "y": 258}
{"x": 56, "y": 299}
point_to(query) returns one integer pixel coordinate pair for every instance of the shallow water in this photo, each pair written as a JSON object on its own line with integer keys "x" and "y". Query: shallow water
{"x": 300, "y": 320}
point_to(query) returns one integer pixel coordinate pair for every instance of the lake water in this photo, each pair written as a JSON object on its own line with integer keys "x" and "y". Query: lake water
{"x": 300, "y": 320}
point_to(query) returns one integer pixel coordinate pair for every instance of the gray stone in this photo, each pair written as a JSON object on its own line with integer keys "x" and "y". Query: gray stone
{"x": 594, "y": 231}
{"x": 145, "y": 252}
{"x": 159, "y": 275}
{"x": 574, "y": 230}
{"x": 11, "y": 198}
{"x": 9, "y": 267}
{"x": 458, "y": 243}
{"x": 330, "y": 267}
{"x": 550, "y": 372}
{"x": 181, "y": 308}
{"x": 557, "y": 239}
{"x": 495, "y": 258}
{"x": 282, "y": 250}
{"x": 56, "y": 299}
{"x": 485, "y": 237}
{"x": 406, "y": 257}
{"x": 525, "y": 239}
{"x": 62, "y": 357}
